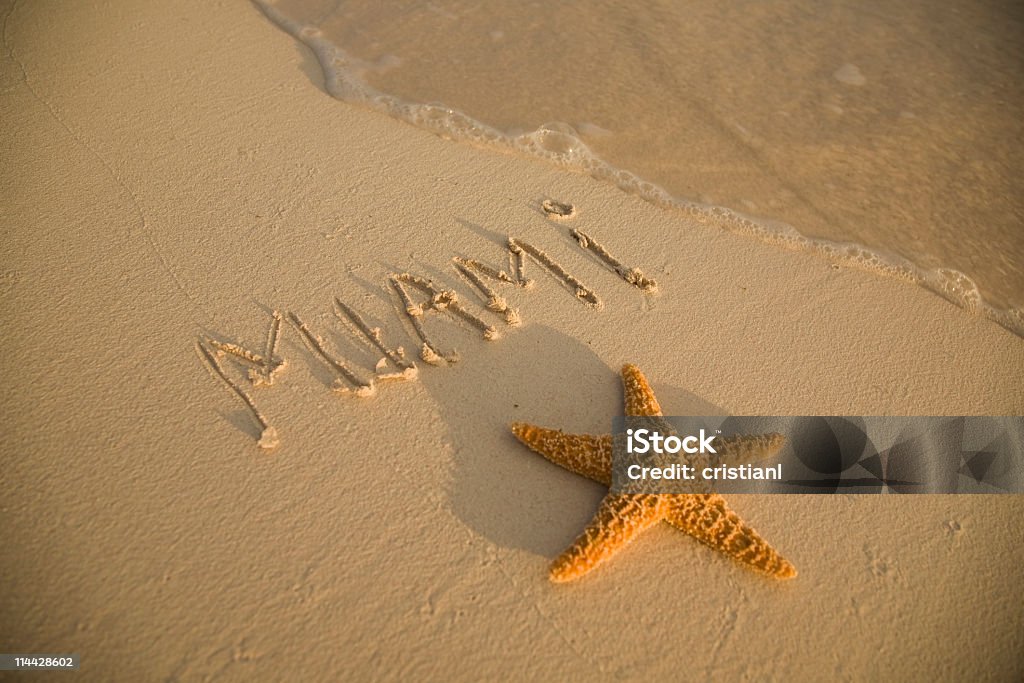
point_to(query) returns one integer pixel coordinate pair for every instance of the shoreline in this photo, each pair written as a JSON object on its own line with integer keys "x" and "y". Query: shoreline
{"x": 341, "y": 76}
{"x": 171, "y": 180}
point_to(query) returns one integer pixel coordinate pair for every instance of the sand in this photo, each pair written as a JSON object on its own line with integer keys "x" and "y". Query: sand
{"x": 172, "y": 171}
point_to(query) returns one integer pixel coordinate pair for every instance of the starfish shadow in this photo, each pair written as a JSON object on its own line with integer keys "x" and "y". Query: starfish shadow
{"x": 497, "y": 487}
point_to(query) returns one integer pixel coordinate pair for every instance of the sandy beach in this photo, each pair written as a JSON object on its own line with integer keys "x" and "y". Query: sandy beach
{"x": 174, "y": 172}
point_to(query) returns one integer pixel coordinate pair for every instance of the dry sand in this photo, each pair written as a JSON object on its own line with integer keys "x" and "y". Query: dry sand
{"x": 171, "y": 170}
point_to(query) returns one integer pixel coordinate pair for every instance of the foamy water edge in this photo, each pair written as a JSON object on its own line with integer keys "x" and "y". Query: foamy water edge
{"x": 559, "y": 145}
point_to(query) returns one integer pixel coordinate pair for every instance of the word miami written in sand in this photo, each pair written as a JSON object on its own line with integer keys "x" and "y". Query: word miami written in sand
{"x": 419, "y": 298}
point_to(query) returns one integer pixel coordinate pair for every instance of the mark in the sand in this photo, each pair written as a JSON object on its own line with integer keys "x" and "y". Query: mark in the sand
{"x": 879, "y": 566}
{"x": 441, "y": 301}
{"x": 472, "y": 271}
{"x": 559, "y": 210}
{"x": 406, "y": 370}
{"x": 954, "y": 529}
{"x": 393, "y": 364}
{"x": 351, "y": 382}
{"x": 521, "y": 249}
{"x": 633, "y": 276}
{"x": 268, "y": 435}
{"x": 263, "y": 368}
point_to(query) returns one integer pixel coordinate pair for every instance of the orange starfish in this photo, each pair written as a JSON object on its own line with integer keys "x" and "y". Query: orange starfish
{"x": 621, "y": 517}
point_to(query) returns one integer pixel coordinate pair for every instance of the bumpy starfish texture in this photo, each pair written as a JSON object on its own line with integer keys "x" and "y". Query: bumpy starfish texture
{"x": 622, "y": 517}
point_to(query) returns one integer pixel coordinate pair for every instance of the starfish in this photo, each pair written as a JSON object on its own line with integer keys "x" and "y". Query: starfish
{"x": 621, "y": 517}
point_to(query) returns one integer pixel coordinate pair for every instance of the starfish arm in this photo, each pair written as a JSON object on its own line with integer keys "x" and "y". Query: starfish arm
{"x": 586, "y": 455}
{"x": 619, "y": 519}
{"x": 640, "y": 399}
{"x": 708, "y": 519}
